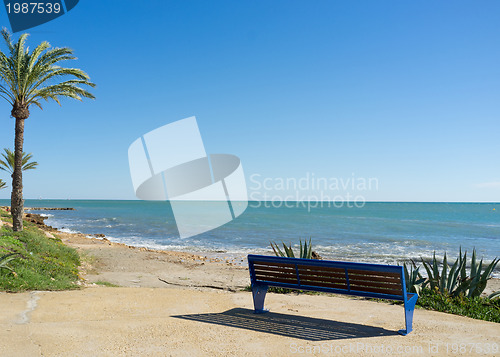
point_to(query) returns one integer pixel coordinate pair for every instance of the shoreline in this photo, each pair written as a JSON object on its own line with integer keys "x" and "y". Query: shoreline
{"x": 374, "y": 235}
{"x": 117, "y": 262}
{"x": 382, "y": 234}
{"x": 94, "y": 244}
{"x": 130, "y": 266}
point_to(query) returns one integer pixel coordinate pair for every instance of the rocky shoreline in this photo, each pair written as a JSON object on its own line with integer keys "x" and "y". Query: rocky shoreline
{"x": 49, "y": 209}
{"x": 120, "y": 260}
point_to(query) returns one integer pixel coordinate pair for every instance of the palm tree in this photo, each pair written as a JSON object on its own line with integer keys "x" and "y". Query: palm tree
{"x": 7, "y": 164}
{"x": 27, "y": 78}
{"x": 2, "y": 184}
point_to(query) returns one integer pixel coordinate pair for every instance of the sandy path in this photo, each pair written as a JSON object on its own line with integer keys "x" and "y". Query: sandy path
{"x": 103, "y": 321}
{"x": 140, "y": 267}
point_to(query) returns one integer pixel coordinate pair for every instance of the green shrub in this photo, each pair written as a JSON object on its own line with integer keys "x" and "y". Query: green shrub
{"x": 476, "y": 307}
{"x": 41, "y": 263}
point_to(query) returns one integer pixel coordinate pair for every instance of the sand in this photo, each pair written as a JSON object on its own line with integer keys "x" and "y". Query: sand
{"x": 179, "y": 304}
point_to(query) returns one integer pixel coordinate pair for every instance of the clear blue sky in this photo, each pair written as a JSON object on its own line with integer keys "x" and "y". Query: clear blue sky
{"x": 404, "y": 92}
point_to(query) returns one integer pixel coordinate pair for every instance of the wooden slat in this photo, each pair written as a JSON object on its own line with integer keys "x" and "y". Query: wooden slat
{"x": 323, "y": 279}
{"x": 373, "y": 273}
{"x": 363, "y": 279}
{"x": 334, "y": 273}
{"x": 277, "y": 275}
{"x": 324, "y": 285}
{"x": 279, "y": 265}
{"x": 364, "y": 287}
{"x": 389, "y": 280}
{"x": 321, "y": 269}
{"x": 377, "y": 290}
{"x": 393, "y": 281}
{"x": 282, "y": 270}
{"x": 374, "y": 285}
{"x": 322, "y": 275}
{"x": 278, "y": 280}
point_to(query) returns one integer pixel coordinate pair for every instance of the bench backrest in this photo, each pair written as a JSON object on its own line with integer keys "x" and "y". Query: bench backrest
{"x": 361, "y": 279}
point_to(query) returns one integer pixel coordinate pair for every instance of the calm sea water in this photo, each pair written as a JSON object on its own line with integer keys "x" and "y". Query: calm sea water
{"x": 377, "y": 232}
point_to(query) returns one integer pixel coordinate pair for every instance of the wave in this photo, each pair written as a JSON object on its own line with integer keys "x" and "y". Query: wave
{"x": 46, "y": 215}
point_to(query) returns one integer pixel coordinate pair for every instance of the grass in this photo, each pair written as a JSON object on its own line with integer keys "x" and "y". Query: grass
{"x": 43, "y": 263}
{"x": 479, "y": 308}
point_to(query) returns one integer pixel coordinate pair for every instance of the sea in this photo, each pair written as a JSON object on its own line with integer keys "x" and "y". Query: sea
{"x": 382, "y": 232}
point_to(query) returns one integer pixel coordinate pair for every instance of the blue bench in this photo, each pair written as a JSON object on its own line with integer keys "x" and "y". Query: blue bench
{"x": 358, "y": 279}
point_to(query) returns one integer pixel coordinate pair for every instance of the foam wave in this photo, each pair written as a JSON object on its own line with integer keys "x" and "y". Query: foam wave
{"x": 67, "y": 230}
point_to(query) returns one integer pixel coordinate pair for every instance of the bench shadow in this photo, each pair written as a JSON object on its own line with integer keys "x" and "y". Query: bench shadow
{"x": 305, "y": 328}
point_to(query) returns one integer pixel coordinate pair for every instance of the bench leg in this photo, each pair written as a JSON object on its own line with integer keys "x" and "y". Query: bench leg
{"x": 259, "y": 294}
{"x": 409, "y": 308}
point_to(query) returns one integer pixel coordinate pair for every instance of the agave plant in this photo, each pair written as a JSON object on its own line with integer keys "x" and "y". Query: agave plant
{"x": 456, "y": 281}
{"x": 446, "y": 282}
{"x": 4, "y": 260}
{"x": 478, "y": 279}
{"x": 305, "y": 250}
{"x": 413, "y": 279}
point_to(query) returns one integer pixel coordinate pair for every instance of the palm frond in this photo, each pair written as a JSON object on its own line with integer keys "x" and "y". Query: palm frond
{"x": 29, "y": 76}
{"x": 8, "y": 39}
{"x": 7, "y": 161}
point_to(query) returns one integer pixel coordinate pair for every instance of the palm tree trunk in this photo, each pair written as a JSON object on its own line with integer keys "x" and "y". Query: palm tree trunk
{"x": 16, "y": 200}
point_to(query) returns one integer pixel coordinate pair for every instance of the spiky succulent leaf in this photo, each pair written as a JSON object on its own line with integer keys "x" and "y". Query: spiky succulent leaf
{"x": 494, "y": 295}
{"x": 288, "y": 250}
{"x": 463, "y": 262}
{"x": 413, "y": 279}
{"x": 277, "y": 250}
{"x": 473, "y": 266}
{"x": 435, "y": 269}
{"x": 4, "y": 260}
{"x": 430, "y": 277}
{"x": 444, "y": 276}
{"x": 452, "y": 277}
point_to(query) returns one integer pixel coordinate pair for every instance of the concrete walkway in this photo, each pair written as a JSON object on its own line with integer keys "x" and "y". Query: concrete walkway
{"x": 102, "y": 321}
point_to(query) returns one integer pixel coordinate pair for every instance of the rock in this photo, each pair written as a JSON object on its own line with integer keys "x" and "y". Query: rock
{"x": 49, "y": 208}
{"x": 35, "y": 218}
{"x": 315, "y": 255}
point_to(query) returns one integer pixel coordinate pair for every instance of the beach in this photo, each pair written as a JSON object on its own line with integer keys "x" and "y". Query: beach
{"x": 180, "y": 304}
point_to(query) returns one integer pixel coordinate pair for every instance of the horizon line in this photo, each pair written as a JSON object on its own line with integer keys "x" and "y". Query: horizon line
{"x": 318, "y": 201}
